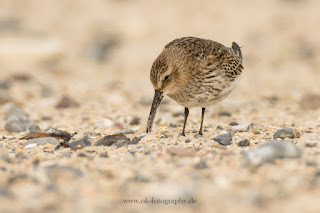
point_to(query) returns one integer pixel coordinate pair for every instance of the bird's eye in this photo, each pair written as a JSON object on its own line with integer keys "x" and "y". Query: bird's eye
{"x": 166, "y": 78}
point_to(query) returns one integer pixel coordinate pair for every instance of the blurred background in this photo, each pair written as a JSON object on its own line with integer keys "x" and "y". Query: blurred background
{"x": 86, "y": 45}
{"x": 99, "y": 54}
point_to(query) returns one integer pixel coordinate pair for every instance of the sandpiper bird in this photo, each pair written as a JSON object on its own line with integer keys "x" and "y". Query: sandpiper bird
{"x": 194, "y": 72}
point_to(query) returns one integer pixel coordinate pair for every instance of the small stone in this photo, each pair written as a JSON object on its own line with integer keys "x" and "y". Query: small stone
{"x": 103, "y": 123}
{"x": 244, "y": 142}
{"x": 104, "y": 155}
{"x": 243, "y": 127}
{"x": 16, "y": 124}
{"x": 135, "y": 121}
{"x": 178, "y": 114}
{"x": 5, "y": 84}
{"x": 53, "y": 132}
{"x": 14, "y": 110}
{"x": 181, "y": 152}
{"x": 233, "y": 123}
{"x": 83, "y": 142}
{"x": 311, "y": 145}
{"x": 224, "y": 139}
{"x": 18, "y": 121}
{"x": 187, "y": 141}
{"x": 118, "y": 140}
{"x": 287, "y": 133}
{"x": 42, "y": 141}
{"x": 269, "y": 151}
{"x": 219, "y": 127}
{"x": 126, "y": 131}
{"x": 201, "y": 165}
{"x": 224, "y": 113}
{"x": 136, "y": 140}
{"x": 66, "y": 102}
{"x": 5, "y": 193}
{"x": 32, "y": 128}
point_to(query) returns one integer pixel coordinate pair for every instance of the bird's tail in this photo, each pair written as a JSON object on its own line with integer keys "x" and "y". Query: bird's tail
{"x": 237, "y": 49}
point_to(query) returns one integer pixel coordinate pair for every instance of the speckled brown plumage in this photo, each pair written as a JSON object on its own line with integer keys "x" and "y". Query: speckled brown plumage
{"x": 195, "y": 72}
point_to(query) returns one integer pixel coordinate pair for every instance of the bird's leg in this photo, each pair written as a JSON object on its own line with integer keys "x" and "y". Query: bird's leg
{"x": 186, "y": 113}
{"x": 202, "y": 117}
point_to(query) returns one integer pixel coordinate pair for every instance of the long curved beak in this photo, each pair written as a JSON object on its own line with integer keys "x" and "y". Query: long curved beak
{"x": 155, "y": 104}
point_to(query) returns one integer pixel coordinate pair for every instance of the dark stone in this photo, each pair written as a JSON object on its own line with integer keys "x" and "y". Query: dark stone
{"x": 104, "y": 155}
{"x": 201, "y": 165}
{"x": 53, "y": 132}
{"x": 136, "y": 140}
{"x": 135, "y": 121}
{"x": 66, "y": 102}
{"x": 5, "y": 84}
{"x": 81, "y": 142}
{"x": 220, "y": 127}
{"x": 224, "y": 113}
{"x": 178, "y": 114}
{"x": 109, "y": 140}
{"x": 187, "y": 141}
{"x": 4, "y": 192}
{"x": 224, "y": 139}
{"x": 244, "y": 142}
{"x": 233, "y": 123}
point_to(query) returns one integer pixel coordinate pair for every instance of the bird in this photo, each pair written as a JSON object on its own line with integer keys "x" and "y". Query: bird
{"x": 195, "y": 72}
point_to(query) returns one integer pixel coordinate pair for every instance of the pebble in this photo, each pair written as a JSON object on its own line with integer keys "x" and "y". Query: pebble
{"x": 103, "y": 123}
{"x": 5, "y": 84}
{"x": 14, "y": 110}
{"x": 53, "y": 132}
{"x": 118, "y": 140}
{"x": 104, "y": 155}
{"x": 135, "y": 121}
{"x": 224, "y": 139}
{"x": 287, "y": 133}
{"x": 243, "y": 127}
{"x": 18, "y": 121}
{"x": 41, "y": 141}
{"x": 219, "y": 127}
{"x": 244, "y": 142}
{"x": 16, "y": 124}
{"x": 83, "y": 142}
{"x": 233, "y": 123}
{"x": 136, "y": 140}
{"x": 201, "y": 165}
{"x": 187, "y": 141}
{"x": 224, "y": 113}
{"x": 66, "y": 102}
{"x": 269, "y": 151}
